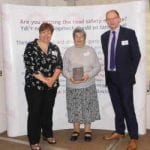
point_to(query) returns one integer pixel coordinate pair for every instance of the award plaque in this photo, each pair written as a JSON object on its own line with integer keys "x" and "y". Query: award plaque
{"x": 78, "y": 73}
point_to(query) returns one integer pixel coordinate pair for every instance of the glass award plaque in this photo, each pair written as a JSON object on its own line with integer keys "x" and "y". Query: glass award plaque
{"x": 78, "y": 73}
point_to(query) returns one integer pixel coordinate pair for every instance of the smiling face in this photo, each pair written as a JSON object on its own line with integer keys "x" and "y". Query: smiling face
{"x": 45, "y": 32}
{"x": 45, "y": 36}
{"x": 113, "y": 19}
{"x": 79, "y": 39}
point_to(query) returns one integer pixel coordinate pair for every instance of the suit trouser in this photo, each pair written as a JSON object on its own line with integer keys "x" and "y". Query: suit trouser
{"x": 122, "y": 101}
{"x": 40, "y": 112}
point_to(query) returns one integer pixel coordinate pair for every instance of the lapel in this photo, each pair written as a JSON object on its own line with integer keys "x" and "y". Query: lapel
{"x": 119, "y": 42}
{"x": 106, "y": 43}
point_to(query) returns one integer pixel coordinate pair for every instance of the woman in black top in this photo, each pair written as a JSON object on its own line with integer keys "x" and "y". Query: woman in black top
{"x": 43, "y": 64}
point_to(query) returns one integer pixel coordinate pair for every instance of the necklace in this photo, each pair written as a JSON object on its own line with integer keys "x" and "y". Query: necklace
{"x": 43, "y": 46}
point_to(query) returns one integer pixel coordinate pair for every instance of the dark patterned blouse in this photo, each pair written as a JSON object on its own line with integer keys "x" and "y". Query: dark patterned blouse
{"x": 36, "y": 60}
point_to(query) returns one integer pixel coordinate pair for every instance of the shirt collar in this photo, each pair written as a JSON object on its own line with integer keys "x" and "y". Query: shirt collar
{"x": 116, "y": 30}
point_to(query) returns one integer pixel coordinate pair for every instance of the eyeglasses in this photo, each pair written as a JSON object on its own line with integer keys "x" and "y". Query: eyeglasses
{"x": 109, "y": 19}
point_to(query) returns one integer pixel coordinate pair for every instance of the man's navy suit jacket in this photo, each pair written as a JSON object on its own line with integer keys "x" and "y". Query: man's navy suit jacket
{"x": 127, "y": 55}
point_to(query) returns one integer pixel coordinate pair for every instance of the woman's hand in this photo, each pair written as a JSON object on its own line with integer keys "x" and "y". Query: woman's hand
{"x": 74, "y": 81}
{"x": 85, "y": 77}
{"x": 50, "y": 81}
{"x": 40, "y": 77}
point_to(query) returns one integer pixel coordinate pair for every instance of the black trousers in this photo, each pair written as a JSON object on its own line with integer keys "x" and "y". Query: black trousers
{"x": 40, "y": 112}
{"x": 122, "y": 101}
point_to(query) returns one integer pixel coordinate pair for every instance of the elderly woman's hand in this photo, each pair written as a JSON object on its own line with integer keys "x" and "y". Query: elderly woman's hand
{"x": 74, "y": 81}
{"x": 85, "y": 77}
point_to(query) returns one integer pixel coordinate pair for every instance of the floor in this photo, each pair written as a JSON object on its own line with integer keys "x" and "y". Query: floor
{"x": 63, "y": 142}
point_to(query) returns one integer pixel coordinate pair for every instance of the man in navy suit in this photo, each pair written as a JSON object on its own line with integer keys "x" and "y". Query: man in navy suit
{"x": 121, "y": 59}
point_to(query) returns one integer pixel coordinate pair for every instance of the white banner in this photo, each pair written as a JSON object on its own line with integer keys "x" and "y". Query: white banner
{"x": 20, "y": 25}
{"x": 2, "y": 101}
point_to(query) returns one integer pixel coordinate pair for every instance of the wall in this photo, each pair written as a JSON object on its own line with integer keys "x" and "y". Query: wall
{"x": 148, "y": 68}
{"x": 25, "y": 2}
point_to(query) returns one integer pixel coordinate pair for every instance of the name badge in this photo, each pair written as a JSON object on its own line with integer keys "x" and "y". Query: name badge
{"x": 126, "y": 42}
{"x": 54, "y": 53}
{"x": 86, "y": 54}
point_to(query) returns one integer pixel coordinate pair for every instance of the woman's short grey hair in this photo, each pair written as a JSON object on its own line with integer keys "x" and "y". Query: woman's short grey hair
{"x": 79, "y": 29}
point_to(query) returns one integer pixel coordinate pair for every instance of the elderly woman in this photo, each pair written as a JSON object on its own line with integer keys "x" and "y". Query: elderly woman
{"x": 81, "y": 94}
{"x": 43, "y": 63}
